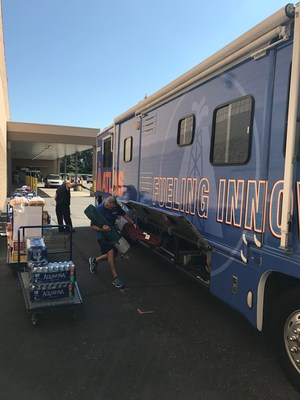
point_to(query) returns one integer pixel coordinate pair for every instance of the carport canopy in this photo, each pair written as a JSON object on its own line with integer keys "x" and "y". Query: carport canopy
{"x": 27, "y": 141}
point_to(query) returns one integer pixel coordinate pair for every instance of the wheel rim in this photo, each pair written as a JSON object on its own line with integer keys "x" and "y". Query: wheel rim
{"x": 292, "y": 338}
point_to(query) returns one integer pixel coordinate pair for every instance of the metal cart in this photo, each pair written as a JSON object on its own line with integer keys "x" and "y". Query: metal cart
{"x": 57, "y": 244}
{"x": 36, "y": 309}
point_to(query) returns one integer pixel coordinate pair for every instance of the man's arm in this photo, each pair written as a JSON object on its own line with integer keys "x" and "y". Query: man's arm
{"x": 71, "y": 185}
{"x": 129, "y": 219}
{"x": 125, "y": 215}
{"x": 97, "y": 228}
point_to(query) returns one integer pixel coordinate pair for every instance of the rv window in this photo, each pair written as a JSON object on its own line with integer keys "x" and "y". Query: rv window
{"x": 128, "y": 149}
{"x": 107, "y": 153}
{"x": 232, "y": 132}
{"x": 186, "y": 128}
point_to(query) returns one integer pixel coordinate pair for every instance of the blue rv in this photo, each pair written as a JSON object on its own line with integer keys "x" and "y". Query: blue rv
{"x": 211, "y": 163}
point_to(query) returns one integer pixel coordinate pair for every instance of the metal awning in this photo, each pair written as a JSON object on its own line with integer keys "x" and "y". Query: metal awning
{"x": 48, "y": 142}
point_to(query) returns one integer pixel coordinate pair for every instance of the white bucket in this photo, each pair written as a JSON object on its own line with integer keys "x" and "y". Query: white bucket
{"x": 122, "y": 245}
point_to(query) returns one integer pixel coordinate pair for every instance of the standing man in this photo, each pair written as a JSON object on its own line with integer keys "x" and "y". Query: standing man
{"x": 110, "y": 210}
{"x": 63, "y": 201}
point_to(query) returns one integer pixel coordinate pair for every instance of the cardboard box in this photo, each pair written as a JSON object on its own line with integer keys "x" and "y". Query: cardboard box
{"x": 14, "y": 245}
{"x": 14, "y": 257}
{"x": 46, "y": 218}
{"x": 27, "y": 216}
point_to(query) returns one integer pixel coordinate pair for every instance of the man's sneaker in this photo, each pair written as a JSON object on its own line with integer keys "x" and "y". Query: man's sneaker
{"x": 118, "y": 283}
{"x": 93, "y": 265}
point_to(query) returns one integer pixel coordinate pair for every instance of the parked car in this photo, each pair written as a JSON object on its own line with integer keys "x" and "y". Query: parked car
{"x": 53, "y": 180}
{"x": 89, "y": 179}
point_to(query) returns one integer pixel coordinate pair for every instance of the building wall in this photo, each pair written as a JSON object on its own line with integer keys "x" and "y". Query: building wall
{"x": 4, "y": 117}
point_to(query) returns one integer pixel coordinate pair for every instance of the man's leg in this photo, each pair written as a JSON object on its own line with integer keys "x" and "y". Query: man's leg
{"x": 111, "y": 262}
{"x": 59, "y": 216}
{"x": 101, "y": 258}
{"x": 94, "y": 260}
{"x": 108, "y": 252}
{"x": 67, "y": 216}
{"x": 117, "y": 282}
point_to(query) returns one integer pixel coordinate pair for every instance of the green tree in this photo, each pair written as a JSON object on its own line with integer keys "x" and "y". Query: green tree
{"x": 84, "y": 162}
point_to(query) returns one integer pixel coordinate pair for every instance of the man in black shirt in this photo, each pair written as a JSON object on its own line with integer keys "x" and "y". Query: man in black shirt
{"x": 63, "y": 200}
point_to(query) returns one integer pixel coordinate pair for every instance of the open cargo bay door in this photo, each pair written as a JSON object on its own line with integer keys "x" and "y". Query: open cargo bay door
{"x": 182, "y": 244}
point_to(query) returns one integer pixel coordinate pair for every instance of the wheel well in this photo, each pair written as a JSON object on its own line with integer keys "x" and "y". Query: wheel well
{"x": 276, "y": 285}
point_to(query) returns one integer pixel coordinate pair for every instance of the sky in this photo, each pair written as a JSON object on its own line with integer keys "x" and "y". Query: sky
{"x": 85, "y": 62}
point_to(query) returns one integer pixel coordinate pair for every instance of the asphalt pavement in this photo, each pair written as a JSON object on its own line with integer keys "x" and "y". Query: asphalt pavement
{"x": 163, "y": 337}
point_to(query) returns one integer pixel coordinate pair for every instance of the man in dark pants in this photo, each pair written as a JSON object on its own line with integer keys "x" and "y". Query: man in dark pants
{"x": 63, "y": 201}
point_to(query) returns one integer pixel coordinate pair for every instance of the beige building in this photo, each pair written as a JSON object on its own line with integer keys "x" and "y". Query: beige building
{"x": 33, "y": 145}
{"x": 4, "y": 118}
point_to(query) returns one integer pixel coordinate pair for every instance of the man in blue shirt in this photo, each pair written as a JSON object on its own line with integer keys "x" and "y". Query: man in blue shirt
{"x": 110, "y": 210}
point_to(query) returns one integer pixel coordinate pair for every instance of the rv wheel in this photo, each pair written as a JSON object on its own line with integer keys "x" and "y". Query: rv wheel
{"x": 286, "y": 334}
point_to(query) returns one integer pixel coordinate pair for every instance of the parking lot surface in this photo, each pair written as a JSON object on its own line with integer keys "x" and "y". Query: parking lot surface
{"x": 163, "y": 337}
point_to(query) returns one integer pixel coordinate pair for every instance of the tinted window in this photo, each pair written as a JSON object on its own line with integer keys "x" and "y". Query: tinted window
{"x": 128, "y": 149}
{"x": 186, "y": 127}
{"x": 53, "y": 176}
{"x": 232, "y": 132}
{"x": 107, "y": 153}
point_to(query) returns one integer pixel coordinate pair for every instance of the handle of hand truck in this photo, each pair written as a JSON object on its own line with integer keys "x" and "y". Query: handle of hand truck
{"x": 84, "y": 187}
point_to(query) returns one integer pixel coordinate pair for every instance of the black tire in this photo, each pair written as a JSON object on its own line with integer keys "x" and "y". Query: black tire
{"x": 286, "y": 334}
